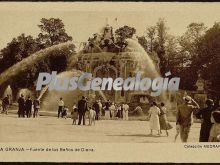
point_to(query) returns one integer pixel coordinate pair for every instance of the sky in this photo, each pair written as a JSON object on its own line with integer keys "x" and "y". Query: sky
{"x": 82, "y": 19}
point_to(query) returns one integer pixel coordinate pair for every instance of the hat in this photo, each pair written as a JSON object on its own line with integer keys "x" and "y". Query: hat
{"x": 187, "y": 99}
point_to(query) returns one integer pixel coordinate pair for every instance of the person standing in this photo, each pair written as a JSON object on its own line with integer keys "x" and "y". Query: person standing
{"x": 60, "y": 107}
{"x": 214, "y": 135}
{"x": 96, "y": 107}
{"x": 1, "y": 105}
{"x": 36, "y": 104}
{"x": 112, "y": 109}
{"x": 5, "y": 105}
{"x": 164, "y": 124}
{"x": 154, "y": 113}
{"x": 82, "y": 108}
{"x": 100, "y": 107}
{"x": 28, "y": 107}
{"x": 21, "y": 106}
{"x": 120, "y": 109}
{"x": 107, "y": 111}
{"x": 206, "y": 124}
{"x": 184, "y": 118}
{"x": 64, "y": 112}
{"x": 125, "y": 111}
{"x": 74, "y": 114}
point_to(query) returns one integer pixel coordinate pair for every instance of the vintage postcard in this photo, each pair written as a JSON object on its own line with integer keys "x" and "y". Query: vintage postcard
{"x": 109, "y": 82}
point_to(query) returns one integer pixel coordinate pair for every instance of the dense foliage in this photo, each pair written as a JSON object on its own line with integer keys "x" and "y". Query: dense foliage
{"x": 194, "y": 53}
{"x": 52, "y": 33}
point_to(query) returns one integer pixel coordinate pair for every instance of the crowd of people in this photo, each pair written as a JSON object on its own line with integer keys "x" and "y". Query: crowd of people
{"x": 158, "y": 119}
{"x": 157, "y": 115}
{"x": 25, "y": 107}
{"x": 209, "y": 116}
{"x": 108, "y": 109}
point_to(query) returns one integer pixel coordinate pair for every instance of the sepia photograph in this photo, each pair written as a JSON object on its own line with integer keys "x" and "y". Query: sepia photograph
{"x": 109, "y": 73}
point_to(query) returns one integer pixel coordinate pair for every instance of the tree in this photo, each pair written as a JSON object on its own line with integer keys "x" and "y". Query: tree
{"x": 172, "y": 52}
{"x": 55, "y": 60}
{"x": 15, "y": 51}
{"x": 185, "y": 66}
{"x": 151, "y": 34}
{"x": 53, "y": 32}
{"x": 18, "y": 49}
{"x": 143, "y": 42}
{"x": 24, "y": 46}
{"x": 123, "y": 33}
{"x": 161, "y": 29}
{"x": 161, "y": 32}
{"x": 190, "y": 39}
{"x": 208, "y": 59}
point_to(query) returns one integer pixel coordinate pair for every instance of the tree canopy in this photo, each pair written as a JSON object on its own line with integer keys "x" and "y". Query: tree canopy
{"x": 52, "y": 33}
{"x": 18, "y": 49}
{"x": 194, "y": 52}
{"x": 208, "y": 59}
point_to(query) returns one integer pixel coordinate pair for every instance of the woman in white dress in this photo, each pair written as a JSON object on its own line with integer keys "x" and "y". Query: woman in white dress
{"x": 154, "y": 113}
{"x": 125, "y": 111}
{"x": 164, "y": 123}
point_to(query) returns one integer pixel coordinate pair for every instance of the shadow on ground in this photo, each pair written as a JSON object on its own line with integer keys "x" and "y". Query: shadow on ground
{"x": 139, "y": 135}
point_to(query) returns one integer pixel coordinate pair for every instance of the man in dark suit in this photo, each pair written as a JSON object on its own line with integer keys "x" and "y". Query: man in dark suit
{"x": 28, "y": 106}
{"x": 97, "y": 109}
{"x": 206, "y": 124}
{"x": 82, "y": 108}
{"x": 107, "y": 105}
{"x": 21, "y": 106}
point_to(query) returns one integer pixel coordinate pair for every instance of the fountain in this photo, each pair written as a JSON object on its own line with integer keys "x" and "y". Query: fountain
{"x": 133, "y": 59}
{"x": 30, "y": 61}
{"x": 8, "y": 91}
{"x": 50, "y": 98}
{"x": 103, "y": 63}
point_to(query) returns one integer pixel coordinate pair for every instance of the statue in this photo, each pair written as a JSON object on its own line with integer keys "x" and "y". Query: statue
{"x": 200, "y": 83}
